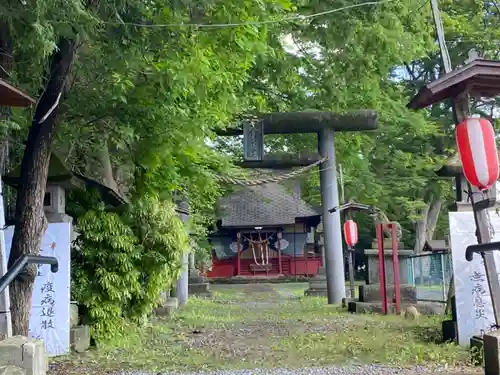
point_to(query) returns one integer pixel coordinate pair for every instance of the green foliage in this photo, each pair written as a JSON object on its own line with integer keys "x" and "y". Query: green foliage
{"x": 154, "y": 97}
{"x": 122, "y": 263}
{"x": 203, "y": 255}
{"x": 377, "y": 57}
{"x": 104, "y": 277}
{"x": 357, "y": 64}
{"x": 162, "y": 240}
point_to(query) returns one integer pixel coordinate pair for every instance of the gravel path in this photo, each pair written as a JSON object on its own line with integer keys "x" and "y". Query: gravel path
{"x": 332, "y": 370}
{"x": 239, "y": 338}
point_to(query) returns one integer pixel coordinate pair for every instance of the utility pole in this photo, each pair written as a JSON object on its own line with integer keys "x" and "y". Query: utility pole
{"x": 445, "y": 56}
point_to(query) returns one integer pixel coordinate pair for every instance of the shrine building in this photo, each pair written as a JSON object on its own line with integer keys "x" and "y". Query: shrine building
{"x": 265, "y": 231}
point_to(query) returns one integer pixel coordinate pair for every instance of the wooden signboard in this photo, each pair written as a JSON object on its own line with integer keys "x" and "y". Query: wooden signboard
{"x": 253, "y": 140}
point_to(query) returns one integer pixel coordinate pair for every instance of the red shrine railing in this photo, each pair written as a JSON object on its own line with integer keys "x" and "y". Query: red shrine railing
{"x": 290, "y": 266}
{"x": 282, "y": 265}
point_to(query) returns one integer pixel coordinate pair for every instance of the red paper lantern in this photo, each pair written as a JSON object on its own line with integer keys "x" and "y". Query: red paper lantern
{"x": 350, "y": 233}
{"x": 478, "y": 151}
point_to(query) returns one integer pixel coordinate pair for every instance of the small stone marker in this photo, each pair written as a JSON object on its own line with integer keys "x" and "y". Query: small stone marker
{"x": 80, "y": 338}
{"x": 491, "y": 350}
{"x": 411, "y": 313}
{"x": 171, "y": 304}
{"x": 317, "y": 285}
{"x": 198, "y": 285}
{"x": 73, "y": 315}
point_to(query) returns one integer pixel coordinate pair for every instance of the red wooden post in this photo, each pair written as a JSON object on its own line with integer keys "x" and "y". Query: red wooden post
{"x": 395, "y": 263}
{"x": 238, "y": 244}
{"x": 279, "y": 253}
{"x": 381, "y": 267}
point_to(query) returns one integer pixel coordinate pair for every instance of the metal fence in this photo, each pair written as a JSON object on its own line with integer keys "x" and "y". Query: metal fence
{"x": 431, "y": 275}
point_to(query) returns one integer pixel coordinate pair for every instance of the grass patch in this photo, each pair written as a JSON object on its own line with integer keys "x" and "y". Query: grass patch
{"x": 374, "y": 339}
{"x": 268, "y": 326}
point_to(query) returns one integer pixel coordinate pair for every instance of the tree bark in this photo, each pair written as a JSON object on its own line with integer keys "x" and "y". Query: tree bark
{"x": 432, "y": 218}
{"x": 30, "y": 221}
{"x": 420, "y": 230}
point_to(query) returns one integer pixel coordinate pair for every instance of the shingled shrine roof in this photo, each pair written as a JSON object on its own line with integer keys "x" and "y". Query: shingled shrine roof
{"x": 263, "y": 205}
{"x": 60, "y": 174}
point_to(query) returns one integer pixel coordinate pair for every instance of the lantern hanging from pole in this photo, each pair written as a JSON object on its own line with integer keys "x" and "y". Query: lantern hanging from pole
{"x": 350, "y": 233}
{"x": 478, "y": 151}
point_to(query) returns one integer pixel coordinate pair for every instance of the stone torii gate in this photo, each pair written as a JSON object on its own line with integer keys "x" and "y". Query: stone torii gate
{"x": 324, "y": 124}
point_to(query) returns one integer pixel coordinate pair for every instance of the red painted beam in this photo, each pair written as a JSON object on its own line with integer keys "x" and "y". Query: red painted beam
{"x": 381, "y": 266}
{"x": 395, "y": 263}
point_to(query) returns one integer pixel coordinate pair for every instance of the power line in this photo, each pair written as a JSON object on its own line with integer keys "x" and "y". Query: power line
{"x": 248, "y": 23}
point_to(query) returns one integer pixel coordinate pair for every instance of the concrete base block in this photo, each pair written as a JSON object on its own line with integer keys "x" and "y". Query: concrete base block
{"x": 168, "y": 308}
{"x": 21, "y": 355}
{"x": 79, "y": 338}
{"x": 317, "y": 283}
{"x": 345, "y": 301}
{"x": 201, "y": 290}
{"x": 376, "y": 307}
{"x": 476, "y": 350}
{"x": 387, "y": 245}
{"x": 371, "y": 293}
{"x": 196, "y": 279}
{"x": 316, "y": 293}
{"x": 491, "y": 353}
{"x": 449, "y": 328}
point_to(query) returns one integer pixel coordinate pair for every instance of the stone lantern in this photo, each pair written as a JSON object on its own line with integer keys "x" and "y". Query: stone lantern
{"x": 59, "y": 180}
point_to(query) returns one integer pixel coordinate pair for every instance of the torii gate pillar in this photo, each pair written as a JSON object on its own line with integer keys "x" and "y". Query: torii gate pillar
{"x": 182, "y": 285}
{"x": 324, "y": 124}
{"x": 334, "y": 259}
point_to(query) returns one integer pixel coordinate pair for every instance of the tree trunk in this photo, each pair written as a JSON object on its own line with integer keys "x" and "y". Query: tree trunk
{"x": 30, "y": 221}
{"x": 432, "y": 218}
{"x": 420, "y": 230}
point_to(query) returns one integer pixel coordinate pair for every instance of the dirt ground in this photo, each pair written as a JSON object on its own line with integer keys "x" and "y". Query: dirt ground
{"x": 271, "y": 326}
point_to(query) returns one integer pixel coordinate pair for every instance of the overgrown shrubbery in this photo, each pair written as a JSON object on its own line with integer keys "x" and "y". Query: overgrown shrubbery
{"x": 123, "y": 261}
{"x": 203, "y": 255}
